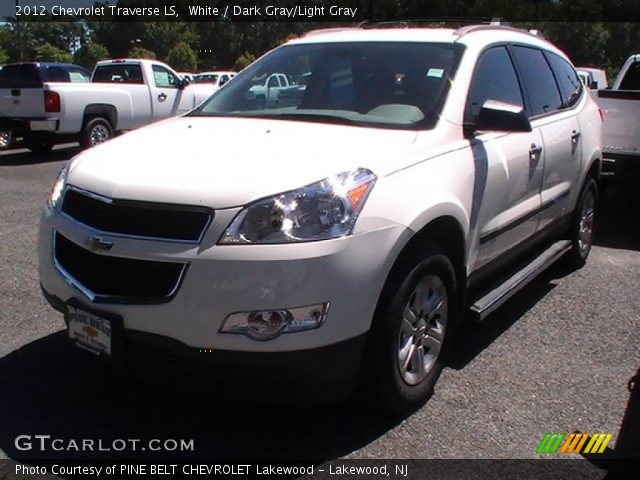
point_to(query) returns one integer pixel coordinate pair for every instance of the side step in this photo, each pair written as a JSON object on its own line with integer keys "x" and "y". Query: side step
{"x": 495, "y": 298}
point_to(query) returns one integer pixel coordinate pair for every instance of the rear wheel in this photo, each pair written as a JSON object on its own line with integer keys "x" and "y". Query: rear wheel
{"x": 411, "y": 332}
{"x": 96, "y": 131}
{"x": 39, "y": 146}
{"x": 582, "y": 227}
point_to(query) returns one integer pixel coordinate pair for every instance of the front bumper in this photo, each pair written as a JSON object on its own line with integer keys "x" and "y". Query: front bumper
{"x": 317, "y": 375}
{"x": 349, "y": 273}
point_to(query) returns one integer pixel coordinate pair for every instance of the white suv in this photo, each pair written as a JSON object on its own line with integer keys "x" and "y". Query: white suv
{"x": 418, "y": 178}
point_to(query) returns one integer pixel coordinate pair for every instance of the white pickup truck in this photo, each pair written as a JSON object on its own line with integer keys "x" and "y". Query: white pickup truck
{"x": 122, "y": 95}
{"x": 621, "y": 129}
{"x": 267, "y": 89}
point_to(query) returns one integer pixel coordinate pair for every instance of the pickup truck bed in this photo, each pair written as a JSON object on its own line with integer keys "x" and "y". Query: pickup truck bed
{"x": 621, "y": 128}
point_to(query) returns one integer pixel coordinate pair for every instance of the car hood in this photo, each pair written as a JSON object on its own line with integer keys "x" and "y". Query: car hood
{"x": 227, "y": 162}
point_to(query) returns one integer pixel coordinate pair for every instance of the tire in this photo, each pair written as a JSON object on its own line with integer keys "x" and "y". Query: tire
{"x": 582, "y": 226}
{"x": 411, "y": 332}
{"x": 96, "y": 131}
{"x": 39, "y": 147}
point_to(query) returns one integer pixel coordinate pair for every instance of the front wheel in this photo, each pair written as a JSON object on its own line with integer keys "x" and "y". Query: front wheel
{"x": 411, "y": 332}
{"x": 582, "y": 227}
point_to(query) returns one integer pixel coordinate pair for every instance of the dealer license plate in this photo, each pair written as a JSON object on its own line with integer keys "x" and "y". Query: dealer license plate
{"x": 89, "y": 331}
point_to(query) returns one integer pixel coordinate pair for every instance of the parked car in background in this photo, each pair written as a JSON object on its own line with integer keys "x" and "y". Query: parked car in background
{"x": 424, "y": 173}
{"x": 593, "y": 78}
{"x": 123, "y": 94}
{"x": 22, "y": 90}
{"x": 265, "y": 91}
{"x": 186, "y": 76}
{"x": 217, "y": 79}
{"x": 621, "y": 130}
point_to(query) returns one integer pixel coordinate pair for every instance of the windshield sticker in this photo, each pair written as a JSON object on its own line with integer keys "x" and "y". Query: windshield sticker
{"x": 435, "y": 73}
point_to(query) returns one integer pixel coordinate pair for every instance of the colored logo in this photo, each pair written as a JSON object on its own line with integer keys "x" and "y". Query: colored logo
{"x": 574, "y": 443}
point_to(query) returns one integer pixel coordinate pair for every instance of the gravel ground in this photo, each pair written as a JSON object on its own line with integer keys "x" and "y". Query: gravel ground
{"x": 556, "y": 358}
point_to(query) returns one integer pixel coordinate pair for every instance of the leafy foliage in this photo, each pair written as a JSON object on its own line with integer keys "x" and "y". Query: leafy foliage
{"x": 46, "y": 52}
{"x": 141, "y": 52}
{"x": 182, "y": 58}
{"x": 91, "y": 53}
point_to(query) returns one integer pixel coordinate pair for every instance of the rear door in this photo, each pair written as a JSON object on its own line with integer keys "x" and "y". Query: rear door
{"x": 21, "y": 91}
{"x": 553, "y": 113}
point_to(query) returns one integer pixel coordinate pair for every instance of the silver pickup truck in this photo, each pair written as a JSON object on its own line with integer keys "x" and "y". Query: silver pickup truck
{"x": 620, "y": 107}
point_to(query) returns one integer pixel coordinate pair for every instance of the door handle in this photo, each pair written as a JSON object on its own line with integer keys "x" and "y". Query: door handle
{"x": 575, "y": 135}
{"x": 162, "y": 97}
{"x": 535, "y": 150}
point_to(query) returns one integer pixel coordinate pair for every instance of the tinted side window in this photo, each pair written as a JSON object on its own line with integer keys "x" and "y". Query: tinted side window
{"x": 631, "y": 80}
{"x": 540, "y": 84}
{"x": 495, "y": 79}
{"x": 568, "y": 80}
{"x": 57, "y": 74}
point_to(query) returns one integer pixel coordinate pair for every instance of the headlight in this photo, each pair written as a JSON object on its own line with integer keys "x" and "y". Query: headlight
{"x": 322, "y": 210}
{"x": 58, "y": 186}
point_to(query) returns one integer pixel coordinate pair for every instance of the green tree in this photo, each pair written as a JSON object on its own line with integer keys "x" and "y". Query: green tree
{"x": 141, "y": 52}
{"x": 90, "y": 54}
{"x": 46, "y": 52}
{"x": 182, "y": 58}
{"x": 4, "y": 56}
{"x": 243, "y": 61}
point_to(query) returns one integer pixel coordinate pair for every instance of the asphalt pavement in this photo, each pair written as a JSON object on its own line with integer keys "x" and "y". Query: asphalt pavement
{"x": 556, "y": 358}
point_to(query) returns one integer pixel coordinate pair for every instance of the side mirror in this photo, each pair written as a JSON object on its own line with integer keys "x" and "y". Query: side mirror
{"x": 594, "y": 85}
{"x": 223, "y": 81}
{"x": 184, "y": 82}
{"x": 500, "y": 117}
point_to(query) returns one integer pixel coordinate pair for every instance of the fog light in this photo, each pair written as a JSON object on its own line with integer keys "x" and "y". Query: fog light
{"x": 269, "y": 324}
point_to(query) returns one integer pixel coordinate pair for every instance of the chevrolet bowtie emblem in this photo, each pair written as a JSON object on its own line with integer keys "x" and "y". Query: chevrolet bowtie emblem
{"x": 90, "y": 331}
{"x": 98, "y": 244}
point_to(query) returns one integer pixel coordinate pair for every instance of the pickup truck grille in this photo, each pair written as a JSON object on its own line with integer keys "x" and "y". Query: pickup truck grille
{"x": 137, "y": 219}
{"x": 110, "y": 279}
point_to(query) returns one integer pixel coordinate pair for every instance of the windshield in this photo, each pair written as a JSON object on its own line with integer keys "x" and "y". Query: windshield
{"x": 390, "y": 84}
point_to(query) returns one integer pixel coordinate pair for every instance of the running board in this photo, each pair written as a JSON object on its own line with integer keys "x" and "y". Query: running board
{"x": 484, "y": 306}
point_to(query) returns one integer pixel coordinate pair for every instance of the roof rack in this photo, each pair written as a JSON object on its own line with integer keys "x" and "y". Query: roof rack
{"x": 496, "y": 25}
{"x": 421, "y": 22}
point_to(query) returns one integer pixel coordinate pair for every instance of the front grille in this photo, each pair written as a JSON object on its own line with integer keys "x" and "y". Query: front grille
{"x": 138, "y": 219}
{"x": 115, "y": 279}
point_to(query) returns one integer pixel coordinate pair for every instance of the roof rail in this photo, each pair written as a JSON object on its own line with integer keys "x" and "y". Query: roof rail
{"x": 318, "y": 31}
{"x": 420, "y": 22}
{"x": 495, "y": 25}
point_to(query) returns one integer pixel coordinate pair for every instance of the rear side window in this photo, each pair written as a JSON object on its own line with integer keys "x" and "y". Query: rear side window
{"x": 77, "y": 75}
{"x": 20, "y": 76}
{"x": 56, "y": 74}
{"x": 542, "y": 90}
{"x": 568, "y": 80}
{"x": 494, "y": 79}
{"x": 118, "y": 73}
{"x": 631, "y": 80}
